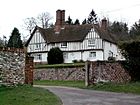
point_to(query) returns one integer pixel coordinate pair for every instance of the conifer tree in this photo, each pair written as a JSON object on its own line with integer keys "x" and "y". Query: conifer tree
{"x": 84, "y": 22}
{"x": 15, "y": 39}
{"x": 76, "y": 22}
{"x": 135, "y": 29}
{"x": 92, "y": 18}
{"x": 69, "y": 21}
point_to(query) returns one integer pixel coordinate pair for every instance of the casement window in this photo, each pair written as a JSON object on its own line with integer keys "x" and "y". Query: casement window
{"x": 91, "y": 42}
{"x": 92, "y": 54}
{"x": 64, "y": 45}
{"x": 38, "y": 46}
{"x": 38, "y": 57}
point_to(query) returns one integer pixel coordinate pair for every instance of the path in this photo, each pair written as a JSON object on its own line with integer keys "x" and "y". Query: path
{"x": 74, "y": 96}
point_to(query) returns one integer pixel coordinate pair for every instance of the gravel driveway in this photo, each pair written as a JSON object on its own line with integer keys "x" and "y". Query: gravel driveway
{"x": 74, "y": 96}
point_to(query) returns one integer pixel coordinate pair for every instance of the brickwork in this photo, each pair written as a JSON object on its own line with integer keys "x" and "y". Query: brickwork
{"x": 29, "y": 70}
{"x": 14, "y": 50}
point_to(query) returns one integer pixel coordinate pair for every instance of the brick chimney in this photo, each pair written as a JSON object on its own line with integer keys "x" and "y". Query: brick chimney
{"x": 60, "y": 20}
{"x": 63, "y": 17}
{"x": 104, "y": 24}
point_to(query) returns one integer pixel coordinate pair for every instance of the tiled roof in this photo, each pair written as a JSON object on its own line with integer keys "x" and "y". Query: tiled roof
{"x": 71, "y": 33}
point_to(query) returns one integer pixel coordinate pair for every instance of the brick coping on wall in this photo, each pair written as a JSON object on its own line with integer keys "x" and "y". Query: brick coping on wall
{"x": 15, "y": 50}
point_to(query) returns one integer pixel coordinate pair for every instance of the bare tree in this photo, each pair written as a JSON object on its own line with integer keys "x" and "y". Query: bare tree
{"x": 43, "y": 19}
{"x": 1, "y": 42}
{"x": 30, "y": 24}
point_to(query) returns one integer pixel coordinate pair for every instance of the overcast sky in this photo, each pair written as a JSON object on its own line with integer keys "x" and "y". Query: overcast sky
{"x": 13, "y": 12}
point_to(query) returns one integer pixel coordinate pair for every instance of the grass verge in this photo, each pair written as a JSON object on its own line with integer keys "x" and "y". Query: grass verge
{"x": 27, "y": 95}
{"x": 126, "y": 88}
{"x": 41, "y": 66}
{"x": 78, "y": 84}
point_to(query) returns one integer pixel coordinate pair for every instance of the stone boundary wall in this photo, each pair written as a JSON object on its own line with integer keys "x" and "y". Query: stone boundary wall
{"x": 99, "y": 71}
{"x": 12, "y": 65}
{"x": 73, "y": 73}
{"x": 102, "y": 71}
{"x": 16, "y": 67}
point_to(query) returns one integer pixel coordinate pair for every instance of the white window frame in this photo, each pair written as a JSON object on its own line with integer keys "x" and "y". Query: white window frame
{"x": 64, "y": 45}
{"x": 92, "y": 55}
{"x": 91, "y": 42}
{"x": 38, "y": 57}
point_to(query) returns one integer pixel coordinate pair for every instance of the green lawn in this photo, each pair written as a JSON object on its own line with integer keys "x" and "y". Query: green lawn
{"x": 78, "y": 84}
{"x": 126, "y": 88}
{"x": 42, "y": 66}
{"x": 27, "y": 95}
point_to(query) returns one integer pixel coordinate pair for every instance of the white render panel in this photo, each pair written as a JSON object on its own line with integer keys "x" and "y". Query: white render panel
{"x": 32, "y": 47}
{"x": 99, "y": 55}
{"x": 82, "y": 55}
{"x": 71, "y": 46}
{"x": 92, "y": 35}
{"x": 43, "y": 57}
{"x": 37, "y": 39}
{"x": 72, "y": 56}
{"x": 114, "y": 49}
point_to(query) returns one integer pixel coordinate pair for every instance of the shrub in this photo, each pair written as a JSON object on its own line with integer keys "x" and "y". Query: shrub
{"x": 131, "y": 52}
{"x": 81, "y": 61}
{"x": 55, "y": 56}
{"x": 75, "y": 61}
{"x": 111, "y": 59}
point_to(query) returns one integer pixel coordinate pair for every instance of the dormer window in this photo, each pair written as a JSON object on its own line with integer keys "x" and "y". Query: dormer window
{"x": 91, "y": 42}
{"x": 64, "y": 45}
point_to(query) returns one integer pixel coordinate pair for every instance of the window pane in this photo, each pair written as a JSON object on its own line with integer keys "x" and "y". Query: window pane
{"x": 92, "y": 54}
{"x": 91, "y": 42}
{"x": 64, "y": 44}
{"x": 38, "y": 57}
{"x": 38, "y": 46}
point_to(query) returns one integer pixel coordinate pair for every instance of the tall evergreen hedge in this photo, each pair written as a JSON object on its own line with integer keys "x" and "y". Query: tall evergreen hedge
{"x": 131, "y": 51}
